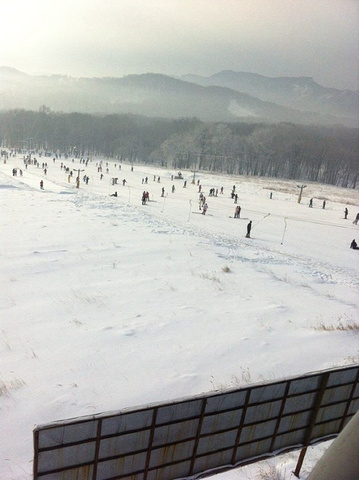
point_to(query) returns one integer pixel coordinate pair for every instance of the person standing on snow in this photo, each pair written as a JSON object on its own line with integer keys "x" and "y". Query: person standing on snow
{"x": 237, "y": 212}
{"x": 346, "y": 213}
{"x": 205, "y": 208}
{"x": 249, "y": 228}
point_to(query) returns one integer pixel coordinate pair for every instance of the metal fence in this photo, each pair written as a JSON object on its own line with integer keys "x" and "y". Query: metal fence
{"x": 190, "y": 436}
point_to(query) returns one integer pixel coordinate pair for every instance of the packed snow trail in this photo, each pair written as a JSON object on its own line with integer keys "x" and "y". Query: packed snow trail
{"x": 109, "y": 304}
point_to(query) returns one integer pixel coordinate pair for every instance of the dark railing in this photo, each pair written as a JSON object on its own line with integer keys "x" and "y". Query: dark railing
{"x": 190, "y": 436}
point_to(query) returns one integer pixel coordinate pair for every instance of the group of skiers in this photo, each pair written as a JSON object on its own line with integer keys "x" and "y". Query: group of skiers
{"x": 203, "y": 206}
{"x": 356, "y": 219}
{"x": 237, "y": 212}
{"x": 311, "y": 203}
{"x": 145, "y": 197}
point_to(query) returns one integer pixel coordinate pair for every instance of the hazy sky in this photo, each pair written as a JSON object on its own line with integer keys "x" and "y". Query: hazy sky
{"x": 316, "y": 38}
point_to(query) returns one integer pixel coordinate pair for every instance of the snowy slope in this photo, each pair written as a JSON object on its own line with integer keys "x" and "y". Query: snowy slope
{"x": 107, "y": 303}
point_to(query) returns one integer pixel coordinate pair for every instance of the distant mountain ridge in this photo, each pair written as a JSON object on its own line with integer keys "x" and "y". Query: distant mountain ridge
{"x": 226, "y": 96}
{"x": 301, "y": 93}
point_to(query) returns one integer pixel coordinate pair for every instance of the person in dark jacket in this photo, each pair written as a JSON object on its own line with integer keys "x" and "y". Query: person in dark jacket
{"x": 249, "y": 228}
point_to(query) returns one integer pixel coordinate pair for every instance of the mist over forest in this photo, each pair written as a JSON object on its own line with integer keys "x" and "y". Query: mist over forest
{"x": 231, "y": 122}
{"x": 326, "y": 154}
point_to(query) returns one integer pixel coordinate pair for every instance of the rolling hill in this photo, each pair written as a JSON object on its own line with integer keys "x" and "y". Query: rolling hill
{"x": 155, "y": 95}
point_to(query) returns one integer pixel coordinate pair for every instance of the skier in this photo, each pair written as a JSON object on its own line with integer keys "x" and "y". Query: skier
{"x": 163, "y": 192}
{"x": 324, "y": 203}
{"x": 237, "y": 212}
{"x": 41, "y": 184}
{"x": 346, "y": 213}
{"x": 173, "y": 189}
{"x": 201, "y": 200}
{"x": 124, "y": 181}
{"x": 354, "y": 245}
{"x": 356, "y": 220}
{"x": 249, "y": 228}
{"x": 205, "y": 208}
{"x": 311, "y": 203}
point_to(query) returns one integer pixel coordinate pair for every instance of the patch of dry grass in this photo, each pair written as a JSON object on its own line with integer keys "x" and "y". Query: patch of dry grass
{"x": 343, "y": 326}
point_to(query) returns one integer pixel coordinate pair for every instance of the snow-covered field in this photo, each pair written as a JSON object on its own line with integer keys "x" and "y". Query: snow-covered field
{"x": 107, "y": 303}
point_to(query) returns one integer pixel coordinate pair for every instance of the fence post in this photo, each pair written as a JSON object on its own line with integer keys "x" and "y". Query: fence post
{"x": 313, "y": 418}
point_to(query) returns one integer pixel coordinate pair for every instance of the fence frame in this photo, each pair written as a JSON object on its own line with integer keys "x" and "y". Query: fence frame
{"x": 237, "y": 431}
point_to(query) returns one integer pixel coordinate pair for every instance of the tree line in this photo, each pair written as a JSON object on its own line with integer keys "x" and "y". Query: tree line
{"x": 283, "y": 150}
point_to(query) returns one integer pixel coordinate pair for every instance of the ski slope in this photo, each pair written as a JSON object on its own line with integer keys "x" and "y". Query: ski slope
{"x": 107, "y": 303}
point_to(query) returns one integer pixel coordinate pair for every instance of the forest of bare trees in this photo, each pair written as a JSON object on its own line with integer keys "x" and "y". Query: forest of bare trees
{"x": 284, "y": 150}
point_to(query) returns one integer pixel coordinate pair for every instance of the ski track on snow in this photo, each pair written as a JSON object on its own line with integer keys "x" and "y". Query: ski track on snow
{"x": 236, "y": 248}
